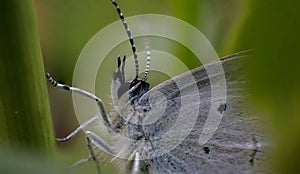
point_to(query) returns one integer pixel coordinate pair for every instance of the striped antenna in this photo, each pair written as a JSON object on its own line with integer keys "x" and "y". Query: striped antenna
{"x": 147, "y": 47}
{"x": 129, "y": 35}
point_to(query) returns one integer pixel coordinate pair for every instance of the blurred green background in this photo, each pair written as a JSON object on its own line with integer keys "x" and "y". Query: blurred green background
{"x": 271, "y": 28}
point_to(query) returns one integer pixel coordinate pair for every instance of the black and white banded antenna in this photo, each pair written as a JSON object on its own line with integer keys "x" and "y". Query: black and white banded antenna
{"x": 130, "y": 37}
{"x": 103, "y": 111}
{"x": 148, "y": 52}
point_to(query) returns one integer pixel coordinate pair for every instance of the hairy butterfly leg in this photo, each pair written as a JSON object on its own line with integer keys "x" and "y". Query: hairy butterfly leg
{"x": 81, "y": 161}
{"x": 96, "y": 143}
{"x": 78, "y": 130}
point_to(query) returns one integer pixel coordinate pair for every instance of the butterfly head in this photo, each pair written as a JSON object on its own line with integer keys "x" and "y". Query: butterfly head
{"x": 138, "y": 88}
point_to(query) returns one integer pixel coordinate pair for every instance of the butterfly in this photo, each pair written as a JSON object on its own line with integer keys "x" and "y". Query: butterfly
{"x": 161, "y": 130}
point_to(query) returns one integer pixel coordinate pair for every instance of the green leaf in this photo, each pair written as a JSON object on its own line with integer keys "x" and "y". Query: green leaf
{"x": 25, "y": 119}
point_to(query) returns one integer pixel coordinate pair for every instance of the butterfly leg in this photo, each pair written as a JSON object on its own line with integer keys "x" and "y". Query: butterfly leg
{"x": 92, "y": 157}
{"x": 92, "y": 138}
{"x": 82, "y": 92}
{"x": 94, "y": 142}
{"x": 78, "y": 130}
{"x": 134, "y": 163}
{"x": 81, "y": 161}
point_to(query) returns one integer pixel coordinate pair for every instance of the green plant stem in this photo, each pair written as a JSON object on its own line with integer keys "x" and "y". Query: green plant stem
{"x": 25, "y": 119}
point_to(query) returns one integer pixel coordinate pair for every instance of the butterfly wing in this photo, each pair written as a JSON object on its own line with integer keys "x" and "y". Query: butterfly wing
{"x": 236, "y": 144}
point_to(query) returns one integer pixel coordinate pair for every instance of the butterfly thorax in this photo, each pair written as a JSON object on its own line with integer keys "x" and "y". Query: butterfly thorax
{"x": 139, "y": 107}
{"x": 131, "y": 108}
